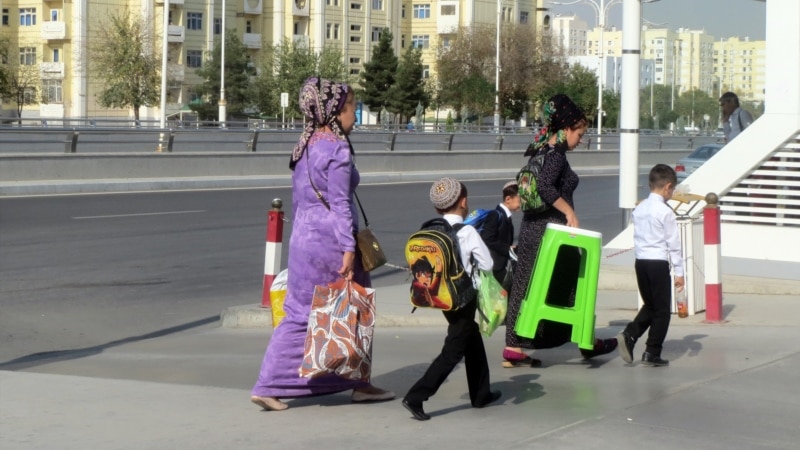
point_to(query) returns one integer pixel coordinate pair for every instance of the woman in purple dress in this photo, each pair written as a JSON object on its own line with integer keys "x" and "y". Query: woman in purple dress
{"x": 322, "y": 245}
{"x": 565, "y": 125}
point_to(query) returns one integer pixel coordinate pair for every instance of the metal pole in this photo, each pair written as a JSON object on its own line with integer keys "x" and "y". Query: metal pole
{"x": 602, "y": 23}
{"x": 163, "y": 105}
{"x": 629, "y": 111}
{"x": 222, "y": 103}
{"x": 497, "y": 72}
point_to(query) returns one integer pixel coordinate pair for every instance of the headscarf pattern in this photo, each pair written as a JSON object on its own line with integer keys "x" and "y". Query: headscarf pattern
{"x": 560, "y": 113}
{"x": 320, "y": 102}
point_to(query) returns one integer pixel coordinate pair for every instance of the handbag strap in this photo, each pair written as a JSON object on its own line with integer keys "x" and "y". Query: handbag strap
{"x": 325, "y": 202}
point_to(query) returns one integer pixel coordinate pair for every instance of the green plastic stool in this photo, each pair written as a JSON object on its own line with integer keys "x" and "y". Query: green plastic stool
{"x": 581, "y": 316}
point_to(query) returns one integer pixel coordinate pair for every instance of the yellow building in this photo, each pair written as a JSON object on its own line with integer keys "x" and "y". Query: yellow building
{"x": 53, "y": 37}
{"x": 740, "y": 67}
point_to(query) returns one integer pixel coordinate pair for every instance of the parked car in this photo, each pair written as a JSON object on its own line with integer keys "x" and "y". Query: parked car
{"x": 686, "y": 166}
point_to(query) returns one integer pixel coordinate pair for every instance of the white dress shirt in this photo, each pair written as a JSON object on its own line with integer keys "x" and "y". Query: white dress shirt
{"x": 655, "y": 232}
{"x": 470, "y": 246}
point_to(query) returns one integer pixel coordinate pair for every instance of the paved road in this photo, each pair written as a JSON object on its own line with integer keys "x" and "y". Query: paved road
{"x": 79, "y": 271}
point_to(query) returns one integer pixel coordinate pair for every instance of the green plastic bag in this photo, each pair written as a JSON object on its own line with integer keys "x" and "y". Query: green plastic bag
{"x": 492, "y": 303}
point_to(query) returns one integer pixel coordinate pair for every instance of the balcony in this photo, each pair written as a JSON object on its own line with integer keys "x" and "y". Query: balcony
{"x": 51, "y": 110}
{"x": 448, "y": 20}
{"x": 252, "y": 40}
{"x": 171, "y": 2}
{"x": 301, "y": 40}
{"x": 51, "y": 70}
{"x": 253, "y": 7}
{"x": 175, "y": 33}
{"x": 176, "y": 72}
{"x": 54, "y": 30}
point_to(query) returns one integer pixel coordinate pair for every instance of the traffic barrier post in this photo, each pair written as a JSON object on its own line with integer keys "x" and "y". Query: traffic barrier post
{"x": 713, "y": 256}
{"x": 272, "y": 256}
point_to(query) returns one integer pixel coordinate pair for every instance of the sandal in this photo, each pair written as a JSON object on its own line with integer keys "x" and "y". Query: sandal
{"x": 269, "y": 403}
{"x": 601, "y": 347}
{"x": 519, "y": 359}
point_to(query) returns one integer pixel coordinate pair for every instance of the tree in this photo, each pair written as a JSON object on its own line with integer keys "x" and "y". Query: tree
{"x": 238, "y": 70}
{"x": 19, "y": 78}
{"x": 378, "y": 75}
{"x": 5, "y": 47}
{"x": 580, "y": 84}
{"x": 124, "y": 61}
{"x": 408, "y": 90}
{"x": 286, "y": 66}
{"x": 529, "y": 63}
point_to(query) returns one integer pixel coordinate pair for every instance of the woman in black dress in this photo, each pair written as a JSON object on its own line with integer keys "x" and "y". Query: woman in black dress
{"x": 565, "y": 125}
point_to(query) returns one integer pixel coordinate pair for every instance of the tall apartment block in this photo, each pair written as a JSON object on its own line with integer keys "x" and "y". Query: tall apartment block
{"x": 53, "y": 36}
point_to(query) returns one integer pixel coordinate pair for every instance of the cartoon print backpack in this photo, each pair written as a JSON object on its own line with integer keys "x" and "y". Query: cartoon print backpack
{"x": 527, "y": 180}
{"x": 440, "y": 280}
{"x": 477, "y": 218}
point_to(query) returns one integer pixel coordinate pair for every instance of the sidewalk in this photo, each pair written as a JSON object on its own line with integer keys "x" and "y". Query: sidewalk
{"x": 729, "y": 385}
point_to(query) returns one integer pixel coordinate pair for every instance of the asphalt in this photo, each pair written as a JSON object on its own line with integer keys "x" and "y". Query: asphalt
{"x": 731, "y": 384}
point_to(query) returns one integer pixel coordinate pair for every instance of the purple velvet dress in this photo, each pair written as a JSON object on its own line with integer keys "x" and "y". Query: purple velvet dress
{"x": 319, "y": 237}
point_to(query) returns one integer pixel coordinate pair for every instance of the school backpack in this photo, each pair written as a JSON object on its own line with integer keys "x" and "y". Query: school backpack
{"x": 477, "y": 218}
{"x": 527, "y": 181}
{"x": 439, "y": 278}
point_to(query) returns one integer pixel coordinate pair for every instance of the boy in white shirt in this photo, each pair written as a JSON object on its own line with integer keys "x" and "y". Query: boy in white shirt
{"x": 464, "y": 340}
{"x": 656, "y": 243}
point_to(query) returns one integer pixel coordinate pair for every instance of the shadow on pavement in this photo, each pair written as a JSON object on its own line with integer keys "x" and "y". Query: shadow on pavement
{"x": 37, "y": 359}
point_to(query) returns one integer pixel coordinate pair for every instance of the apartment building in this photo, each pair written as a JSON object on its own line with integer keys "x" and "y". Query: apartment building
{"x": 740, "y": 67}
{"x": 53, "y": 36}
{"x": 571, "y": 32}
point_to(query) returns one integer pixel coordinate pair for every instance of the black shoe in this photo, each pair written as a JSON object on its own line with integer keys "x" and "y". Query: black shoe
{"x": 648, "y": 359}
{"x": 416, "y": 410}
{"x": 625, "y": 344}
{"x": 601, "y": 347}
{"x": 493, "y": 397}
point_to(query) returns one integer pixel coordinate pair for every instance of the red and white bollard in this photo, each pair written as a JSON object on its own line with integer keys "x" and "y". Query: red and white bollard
{"x": 712, "y": 255}
{"x": 272, "y": 256}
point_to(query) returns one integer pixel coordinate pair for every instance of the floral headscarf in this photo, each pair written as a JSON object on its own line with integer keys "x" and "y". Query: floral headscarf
{"x": 320, "y": 102}
{"x": 560, "y": 113}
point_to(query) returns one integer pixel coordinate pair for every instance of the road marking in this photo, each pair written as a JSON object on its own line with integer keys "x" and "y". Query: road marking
{"x": 114, "y": 216}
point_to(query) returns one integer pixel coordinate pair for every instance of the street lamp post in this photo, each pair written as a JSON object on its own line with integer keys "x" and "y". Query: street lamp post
{"x": 497, "y": 72}
{"x": 222, "y": 103}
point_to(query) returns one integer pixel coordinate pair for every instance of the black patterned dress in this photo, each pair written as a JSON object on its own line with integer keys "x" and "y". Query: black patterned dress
{"x": 556, "y": 180}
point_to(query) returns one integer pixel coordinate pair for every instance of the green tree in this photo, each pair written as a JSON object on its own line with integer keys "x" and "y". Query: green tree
{"x": 286, "y": 66}
{"x": 123, "y": 59}
{"x": 409, "y": 88}
{"x": 580, "y": 84}
{"x": 378, "y": 75}
{"x": 5, "y": 47}
{"x": 238, "y": 70}
{"x": 694, "y": 104}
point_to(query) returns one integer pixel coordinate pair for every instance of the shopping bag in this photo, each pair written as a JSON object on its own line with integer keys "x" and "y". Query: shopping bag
{"x": 492, "y": 303}
{"x": 277, "y": 294}
{"x": 340, "y": 327}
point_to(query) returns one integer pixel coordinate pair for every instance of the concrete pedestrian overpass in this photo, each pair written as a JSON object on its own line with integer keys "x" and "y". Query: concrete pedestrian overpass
{"x": 757, "y": 175}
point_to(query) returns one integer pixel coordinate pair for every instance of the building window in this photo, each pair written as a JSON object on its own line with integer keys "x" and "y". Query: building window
{"x": 403, "y": 12}
{"x": 27, "y": 17}
{"x": 56, "y": 55}
{"x": 336, "y": 31}
{"x": 355, "y": 38}
{"x": 51, "y": 91}
{"x": 523, "y": 17}
{"x": 448, "y": 10}
{"x": 402, "y": 41}
{"x": 27, "y": 56}
{"x": 194, "y": 58}
{"x": 377, "y": 4}
{"x": 194, "y": 21}
{"x": 5, "y": 17}
{"x": 420, "y": 41}
{"x": 355, "y": 71}
{"x": 54, "y": 15}
{"x": 355, "y": 5}
{"x": 29, "y": 95}
{"x": 355, "y": 60}
{"x": 332, "y": 2}
{"x": 355, "y": 27}
{"x": 328, "y": 28}
{"x": 421, "y": 11}
{"x": 218, "y": 25}
{"x": 376, "y": 34}
{"x": 426, "y": 71}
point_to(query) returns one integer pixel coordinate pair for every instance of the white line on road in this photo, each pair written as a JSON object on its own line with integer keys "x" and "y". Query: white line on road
{"x": 141, "y": 214}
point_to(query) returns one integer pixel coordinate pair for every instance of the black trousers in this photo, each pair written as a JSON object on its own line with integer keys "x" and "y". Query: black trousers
{"x": 463, "y": 340}
{"x": 655, "y": 287}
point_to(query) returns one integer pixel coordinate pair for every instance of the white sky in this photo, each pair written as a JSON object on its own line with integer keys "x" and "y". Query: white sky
{"x": 719, "y": 18}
